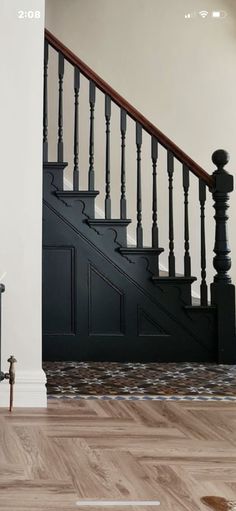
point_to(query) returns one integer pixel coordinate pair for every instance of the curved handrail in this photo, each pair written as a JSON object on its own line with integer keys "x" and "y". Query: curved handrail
{"x": 132, "y": 112}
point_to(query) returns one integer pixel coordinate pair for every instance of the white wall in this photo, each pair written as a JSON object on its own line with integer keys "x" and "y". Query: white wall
{"x": 21, "y": 42}
{"x": 181, "y": 75}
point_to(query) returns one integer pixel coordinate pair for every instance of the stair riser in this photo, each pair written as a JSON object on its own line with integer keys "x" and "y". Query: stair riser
{"x": 53, "y": 173}
{"x": 184, "y": 290}
{"x": 118, "y": 233}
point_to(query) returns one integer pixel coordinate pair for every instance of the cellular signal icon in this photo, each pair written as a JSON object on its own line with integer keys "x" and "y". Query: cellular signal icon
{"x": 190, "y": 15}
{"x": 203, "y": 14}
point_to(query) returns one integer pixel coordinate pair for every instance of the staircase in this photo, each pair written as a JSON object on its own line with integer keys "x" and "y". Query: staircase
{"x": 104, "y": 300}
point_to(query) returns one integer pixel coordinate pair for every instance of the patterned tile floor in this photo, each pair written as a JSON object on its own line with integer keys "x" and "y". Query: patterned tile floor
{"x": 113, "y": 380}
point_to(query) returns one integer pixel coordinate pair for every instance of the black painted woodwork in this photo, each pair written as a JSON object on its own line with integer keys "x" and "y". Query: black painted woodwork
{"x": 117, "y": 226}
{"x": 76, "y": 129}
{"x": 86, "y": 198}
{"x": 183, "y": 283}
{"x": 55, "y": 171}
{"x": 187, "y": 259}
{"x": 123, "y": 127}
{"x": 149, "y": 255}
{"x": 111, "y": 313}
{"x": 223, "y": 186}
{"x": 119, "y": 309}
{"x": 59, "y": 289}
{"x": 92, "y": 99}
{"x": 170, "y": 170}
{"x": 222, "y": 290}
{"x": 203, "y": 285}
{"x": 154, "y": 151}
{"x": 105, "y": 300}
{"x": 108, "y": 158}
{"x": 60, "y": 143}
{"x": 45, "y": 104}
{"x": 139, "y": 228}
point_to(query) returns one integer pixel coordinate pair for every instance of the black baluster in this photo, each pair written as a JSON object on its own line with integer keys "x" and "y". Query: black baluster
{"x": 92, "y": 98}
{"x": 139, "y": 186}
{"x": 76, "y": 129}
{"x": 202, "y": 200}
{"x": 154, "y": 151}
{"x": 45, "y": 104}
{"x": 170, "y": 170}
{"x": 123, "y": 169}
{"x": 108, "y": 162}
{"x": 60, "y": 107}
{"x": 187, "y": 259}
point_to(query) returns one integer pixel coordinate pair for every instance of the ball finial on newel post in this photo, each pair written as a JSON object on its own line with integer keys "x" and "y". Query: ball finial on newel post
{"x": 220, "y": 158}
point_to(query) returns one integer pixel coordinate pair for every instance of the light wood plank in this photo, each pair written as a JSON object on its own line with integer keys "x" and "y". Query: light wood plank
{"x": 177, "y": 453}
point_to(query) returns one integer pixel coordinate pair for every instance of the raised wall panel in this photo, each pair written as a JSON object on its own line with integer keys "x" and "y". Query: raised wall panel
{"x": 106, "y": 305}
{"x": 147, "y": 325}
{"x": 58, "y": 290}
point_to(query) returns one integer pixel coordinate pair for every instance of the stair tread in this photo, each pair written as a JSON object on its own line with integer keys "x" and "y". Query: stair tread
{"x": 196, "y": 305}
{"x": 53, "y": 164}
{"x": 200, "y": 307}
{"x": 140, "y": 250}
{"x": 109, "y": 221}
{"x": 164, "y": 273}
{"x": 77, "y": 193}
{"x": 177, "y": 278}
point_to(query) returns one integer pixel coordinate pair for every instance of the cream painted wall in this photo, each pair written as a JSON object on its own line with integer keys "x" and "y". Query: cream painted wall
{"x": 180, "y": 73}
{"x": 21, "y": 41}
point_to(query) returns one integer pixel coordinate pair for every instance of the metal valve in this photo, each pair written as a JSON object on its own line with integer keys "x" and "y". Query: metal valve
{"x": 12, "y": 360}
{"x": 11, "y": 377}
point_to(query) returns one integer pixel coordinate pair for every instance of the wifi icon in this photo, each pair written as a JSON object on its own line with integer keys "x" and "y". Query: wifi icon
{"x": 203, "y": 14}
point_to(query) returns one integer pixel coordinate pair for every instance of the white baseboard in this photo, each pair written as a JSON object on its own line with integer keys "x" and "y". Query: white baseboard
{"x": 29, "y": 390}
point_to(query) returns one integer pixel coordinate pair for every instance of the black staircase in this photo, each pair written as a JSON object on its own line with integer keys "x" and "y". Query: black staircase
{"x": 104, "y": 299}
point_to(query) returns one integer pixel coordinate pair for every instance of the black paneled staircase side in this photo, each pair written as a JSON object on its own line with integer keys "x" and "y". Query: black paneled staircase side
{"x": 111, "y": 304}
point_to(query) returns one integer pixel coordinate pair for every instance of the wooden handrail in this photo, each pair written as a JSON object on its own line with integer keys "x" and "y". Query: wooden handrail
{"x": 132, "y": 112}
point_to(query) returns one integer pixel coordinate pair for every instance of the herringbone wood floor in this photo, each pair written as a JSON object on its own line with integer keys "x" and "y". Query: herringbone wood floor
{"x": 173, "y": 452}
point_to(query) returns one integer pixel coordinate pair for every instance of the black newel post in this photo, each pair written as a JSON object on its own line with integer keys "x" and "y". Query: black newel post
{"x": 222, "y": 290}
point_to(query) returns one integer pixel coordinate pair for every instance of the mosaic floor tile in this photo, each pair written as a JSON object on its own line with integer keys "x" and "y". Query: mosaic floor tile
{"x": 81, "y": 380}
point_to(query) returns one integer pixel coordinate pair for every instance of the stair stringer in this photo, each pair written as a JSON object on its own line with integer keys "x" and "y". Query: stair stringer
{"x": 79, "y": 208}
{"x": 99, "y": 213}
{"x": 184, "y": 342}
